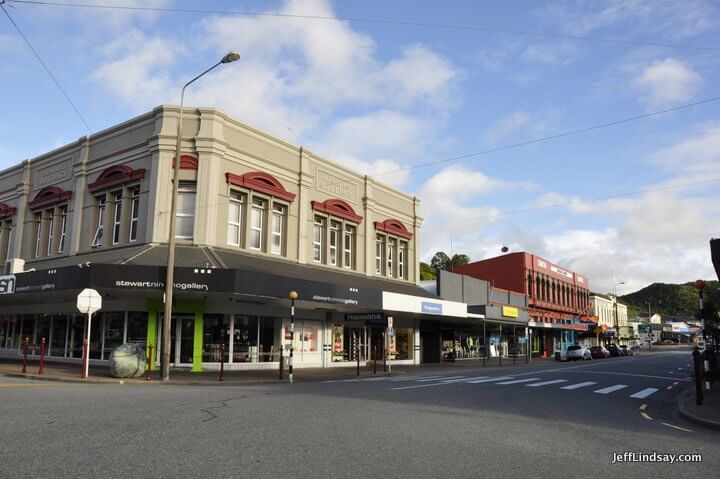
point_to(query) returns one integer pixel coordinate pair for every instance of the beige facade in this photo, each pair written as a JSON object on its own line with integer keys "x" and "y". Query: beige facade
{"x": 240, "y": 189}
{"x": 604, "y": 308}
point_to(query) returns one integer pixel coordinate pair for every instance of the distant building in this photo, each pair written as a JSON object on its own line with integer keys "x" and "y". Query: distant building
{"x": 558, "y": 298}
{"x": 612, "y": 321}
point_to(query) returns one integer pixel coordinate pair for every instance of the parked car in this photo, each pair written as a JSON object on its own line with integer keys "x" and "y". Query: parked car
{"x": 598, "y": 352}
{"x": 627, "y": 350}
{"x": 577, "y": 352}
{"x": 614, "y": 350}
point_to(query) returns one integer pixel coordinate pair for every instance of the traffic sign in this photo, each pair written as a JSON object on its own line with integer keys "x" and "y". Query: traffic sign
{"x": 390, "y": 331}
{"x": 89, "y": 301}
{"x": 390, "y": 322}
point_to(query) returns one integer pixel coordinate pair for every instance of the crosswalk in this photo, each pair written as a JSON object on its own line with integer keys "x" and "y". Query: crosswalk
{"x": 417, "y": 382}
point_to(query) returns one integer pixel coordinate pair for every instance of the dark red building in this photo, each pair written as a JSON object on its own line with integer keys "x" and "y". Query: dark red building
{"x": 558, "y": 298}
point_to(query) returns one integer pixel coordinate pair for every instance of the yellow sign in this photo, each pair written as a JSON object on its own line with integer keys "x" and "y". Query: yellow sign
{"x": 509, "y": 312}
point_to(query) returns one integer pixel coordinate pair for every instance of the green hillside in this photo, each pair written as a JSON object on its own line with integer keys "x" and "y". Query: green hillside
{"x": 670, "y": 299}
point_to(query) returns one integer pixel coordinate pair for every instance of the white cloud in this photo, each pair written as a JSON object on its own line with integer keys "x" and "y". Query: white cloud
{"x": 506, "y": 127}
{"x": 667, "y": 82}
{"x": 551, "y": 53}
{"x": 696, "y": 158}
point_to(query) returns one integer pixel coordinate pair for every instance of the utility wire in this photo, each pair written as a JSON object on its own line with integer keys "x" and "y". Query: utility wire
{"x": 57, "y": 83}
{"x": 552, "y": 137}
{"x": 379, "y": 21}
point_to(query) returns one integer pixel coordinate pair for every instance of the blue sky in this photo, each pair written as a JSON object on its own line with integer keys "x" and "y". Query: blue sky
{"x": 381, "y": 97}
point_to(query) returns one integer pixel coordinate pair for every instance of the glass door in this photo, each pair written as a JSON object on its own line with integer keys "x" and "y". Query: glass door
{"x": 182, "y": 334}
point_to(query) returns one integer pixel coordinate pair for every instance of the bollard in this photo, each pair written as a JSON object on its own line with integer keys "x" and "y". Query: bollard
{"x": 357, "y": 354}
{"x": 85, "y": 359}
{"x": 374, "y": 359}
{"x": 282, "y": 364}
{"x": 222, "y": 362}
{"x": 698, "y": 376}
{"x": 25, "y": 353}
{"x": 41, "y": 371}
{"x": 149, "y": 366}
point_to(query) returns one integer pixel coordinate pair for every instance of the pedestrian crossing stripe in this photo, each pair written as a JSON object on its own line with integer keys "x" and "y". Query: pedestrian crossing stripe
{"x": 545, "y": 383}
{"x": 578, "y": 385}
{"x": 611, "y": 389}
{"x": 644, "y": 393}
{"x": 516, "y": 381}
{"x": 489, "y": 380}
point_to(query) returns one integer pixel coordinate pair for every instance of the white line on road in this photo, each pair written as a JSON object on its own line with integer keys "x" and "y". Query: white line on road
{"x": 627, "y": 374}
{"x": 611, "y": 389}
{"x": 439, "y": 379}
{"x": 413, "y": 378}
{"x": 578, "y": 385}
{"x": 545, "y": 383}
{"x": 489, "y": 380}
{"x": 519, "y": 381}
{"x": 644, "y": 393}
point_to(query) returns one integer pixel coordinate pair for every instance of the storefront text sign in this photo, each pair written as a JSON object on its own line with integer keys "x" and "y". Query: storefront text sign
{"x": 431, "y": 308}
{"x": 365, "y": 317}
{"x": 509, "y": 312}
{"x": 7, "y": 284}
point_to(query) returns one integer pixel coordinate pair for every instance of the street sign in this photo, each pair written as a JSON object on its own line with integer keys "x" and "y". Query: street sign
{"x": 89, "y": 301}
{"x": 390, "y": 322}
{"x": 391, "y": 331}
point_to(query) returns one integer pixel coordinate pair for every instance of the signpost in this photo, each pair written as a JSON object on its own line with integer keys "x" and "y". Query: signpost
{"x": 388, "y": 333}
{"x": 88, "y": 302}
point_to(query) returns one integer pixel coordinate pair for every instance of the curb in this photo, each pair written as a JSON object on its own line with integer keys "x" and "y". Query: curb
{"x": 694, "y": 418}
{"x": 35, "y": 377}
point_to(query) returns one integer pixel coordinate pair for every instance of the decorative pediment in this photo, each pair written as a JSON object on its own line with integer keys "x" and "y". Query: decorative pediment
{"x": 6, "y": 210}
{"x": 49, "y": 196}
{"x": 261, "y": 182}
{"x": 337, "y": 208}
{"x": 116, "y": 175}
{"x": 187, "y": 162}
{"x": 395, "y": 227}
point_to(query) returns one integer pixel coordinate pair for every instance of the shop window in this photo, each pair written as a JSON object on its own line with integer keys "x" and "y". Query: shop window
{"x": 333, "y": 246}
{"x": 403, "y": 343}
{"x": 216, "y": 333}
{"x": 349, "y": 247}
{"x": 96, "y": 336}
{"x": 277, "y": 230}
{"x": 37, "y": 221}
{"x": 137, "y": 324}
{"x": 235, "y": 218}
{"x": 402, "y": 260}
{"x": 63, "y": 229}
{"x": 257, "y": 223}
{"x": 134, "y": 214}
{"x": 58, "y": 335}
{"x": 117, "y": 214}
{"x": 114, "y": 326}
{"x": 6, "y": 231}
{"x": 185, "y": 214}
{"x": 318, "y": 238}
{"x": 245, "y": 340}
{"x": 50, "y": 230}
{"x": 390, "y": 257}
{"x": 98, "y": 239}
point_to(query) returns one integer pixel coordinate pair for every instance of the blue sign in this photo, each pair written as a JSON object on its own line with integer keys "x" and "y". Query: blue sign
{"x": 432, "y": 308}
{"x": 522, "y": 340}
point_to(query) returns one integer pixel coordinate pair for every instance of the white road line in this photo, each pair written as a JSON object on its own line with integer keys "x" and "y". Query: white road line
{"x": 611, "y": 389}
{"x": 545, "y": 383}
{"x": 623, "y": 374}
{"x": 413, "y": 378}
{"x": 644, "y": 393}
{"x": 519, "y": 381}
{"x": 439, "y": 379}
{"x": 489, "y": 380}
{"x": 578, "y": 385}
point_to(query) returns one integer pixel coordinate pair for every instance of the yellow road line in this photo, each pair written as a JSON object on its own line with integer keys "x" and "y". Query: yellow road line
{"x": 676, "y": 427}
{"x": 643, "y": 414}
{"x": 643, "y": 407}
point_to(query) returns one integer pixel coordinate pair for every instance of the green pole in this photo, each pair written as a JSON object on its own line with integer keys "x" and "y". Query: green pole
{"x": 152, "y": 338}
{"x": 198, "y": 344}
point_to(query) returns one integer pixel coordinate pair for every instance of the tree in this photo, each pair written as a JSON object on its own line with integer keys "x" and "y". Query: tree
{"x": 427, "y": 272}
{"x": 444, "y": 262}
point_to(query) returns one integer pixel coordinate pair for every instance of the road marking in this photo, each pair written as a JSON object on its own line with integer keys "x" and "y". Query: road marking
{"x": 413, "y": 378}
{"x": 578, "y": 385}
{"x": 545, "y": 383}
{"x": 676, "y": 427}
{"x": 439, "y": 379}
{"x": 643, "y": 414}
{"x": 643, "y": 407}
{"x": 628, "y": 374}
{"x": 519, "y": 381}
{"x": 644, "y": 393}
{"x": 10, "y": 385}
{"x": 611, "y": 389}
{"x": 488, "y": 380}
{"x": 669, "y": 387}
{"x": 675, "y": 383}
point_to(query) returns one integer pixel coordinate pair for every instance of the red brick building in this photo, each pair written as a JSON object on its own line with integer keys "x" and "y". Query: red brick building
{"x": 558, "y": 298}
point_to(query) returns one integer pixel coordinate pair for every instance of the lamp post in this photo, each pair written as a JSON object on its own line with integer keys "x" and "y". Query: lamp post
{"x": 650, "y": 323}
{"x": 617, "y": 322}
{"x": 293, "y": 296}
{"x": 169, "y": 277}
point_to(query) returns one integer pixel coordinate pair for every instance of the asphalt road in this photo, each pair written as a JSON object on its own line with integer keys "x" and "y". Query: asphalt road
{"x": 559, "y": 420}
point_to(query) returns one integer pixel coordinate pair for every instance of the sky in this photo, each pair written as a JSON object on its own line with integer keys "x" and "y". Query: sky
{"x": 636, "y": 202}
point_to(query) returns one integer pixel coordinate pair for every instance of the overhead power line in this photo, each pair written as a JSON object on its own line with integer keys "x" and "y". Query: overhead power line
{"x": 55, "y": 80}
{"x": 379, "y": 21}
{"x": 551, "y": 137}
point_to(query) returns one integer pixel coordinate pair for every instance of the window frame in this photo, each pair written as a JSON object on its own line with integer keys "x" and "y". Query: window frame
{"x": 260, "y": 208}
{"x": 380, "y": 261}
{"x": 402, "y": 259}
{"x": 134, "y": 213}
{"x": 38, "y": 232}
{"x": 333, "y": 236}
{"x": 117, "y": 216}
{"x": 349, "y": 234}
{"x": 278, "y": 211}
{"x": 319, "y": 225}
{"x": 50, "y": 232}
{"x": 184, "y": 189}
{"x": 63, "y": 229}
{"x": 98, "y": 237}
{"x": 239, "y": 200}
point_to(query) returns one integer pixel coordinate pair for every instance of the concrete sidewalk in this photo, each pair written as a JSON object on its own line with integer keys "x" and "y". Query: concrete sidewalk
{"x": 100, "y": 374}
{"x": 708, "y": 414}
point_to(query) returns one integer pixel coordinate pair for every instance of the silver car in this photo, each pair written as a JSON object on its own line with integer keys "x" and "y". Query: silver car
{"x": 578, "y": 352}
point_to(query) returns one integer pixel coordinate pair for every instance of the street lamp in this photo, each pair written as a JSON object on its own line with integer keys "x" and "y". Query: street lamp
{"x": 617, "y": 322}
{"x": 165, "y": 358}
{"x": 293, "y": 296}
{"x": 700, "y": 285}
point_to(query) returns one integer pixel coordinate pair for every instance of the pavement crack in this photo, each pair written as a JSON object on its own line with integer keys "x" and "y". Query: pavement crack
{"x": 220, "y": 405}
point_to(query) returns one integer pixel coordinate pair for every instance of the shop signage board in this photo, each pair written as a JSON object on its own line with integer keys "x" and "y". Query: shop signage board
{"x": 510, "y": 312}
{"x": 366, "y": 317}
{"x": 7, "y": 284}
{"x": 423, "y": 305}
